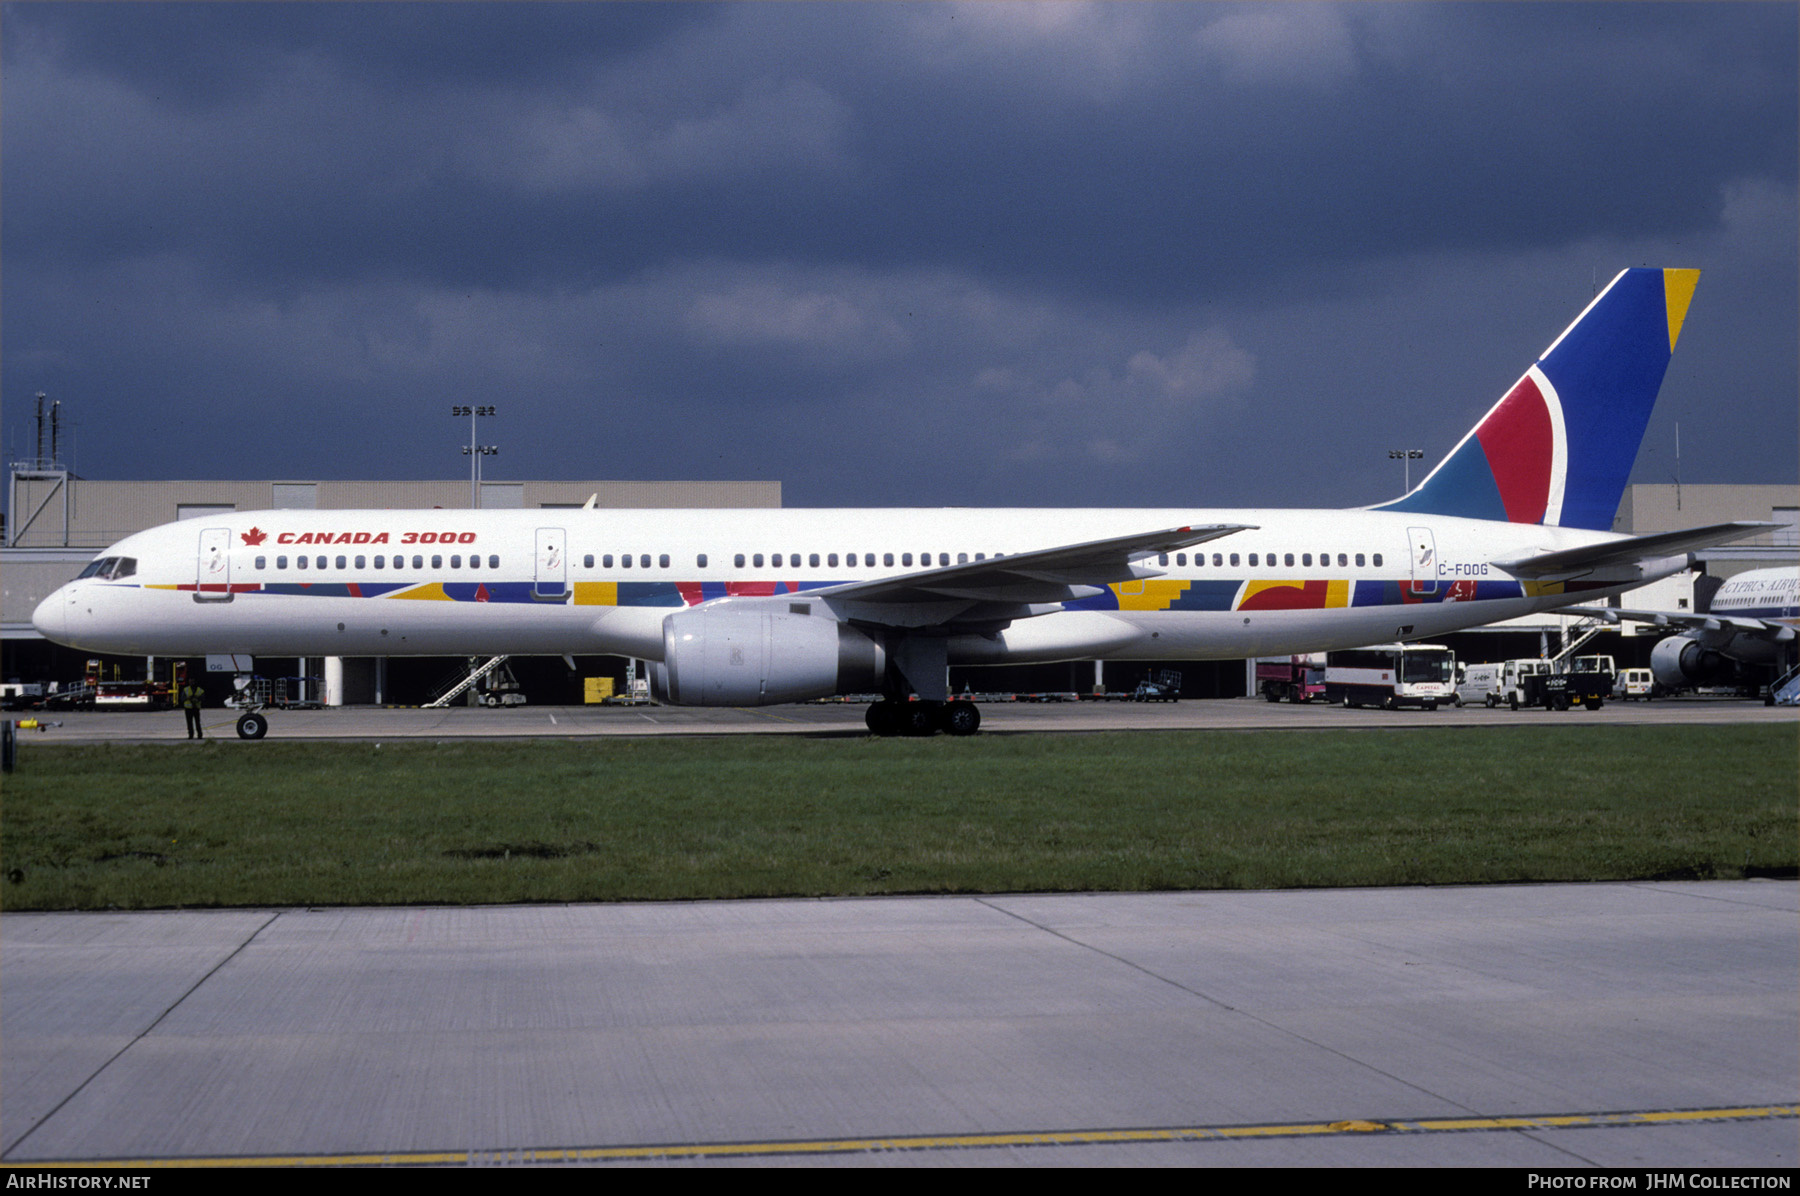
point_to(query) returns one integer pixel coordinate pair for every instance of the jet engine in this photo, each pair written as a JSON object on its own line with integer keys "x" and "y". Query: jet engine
{"x": 1680, "y": 661}
{"x": 739, "y": 657}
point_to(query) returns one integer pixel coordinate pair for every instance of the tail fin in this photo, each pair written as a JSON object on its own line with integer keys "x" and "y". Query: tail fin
{"x": 1557, "y": 449}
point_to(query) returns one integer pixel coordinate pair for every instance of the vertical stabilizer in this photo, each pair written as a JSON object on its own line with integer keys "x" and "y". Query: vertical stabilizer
{"x": 1558, "y": 448}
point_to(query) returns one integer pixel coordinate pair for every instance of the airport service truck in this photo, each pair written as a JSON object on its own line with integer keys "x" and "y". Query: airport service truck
{"x": 1587, "y": 682}
{"x": 1295, "y": 678}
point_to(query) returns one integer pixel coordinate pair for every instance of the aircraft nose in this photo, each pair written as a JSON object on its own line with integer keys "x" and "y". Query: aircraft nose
{"x": 51, "y": 618}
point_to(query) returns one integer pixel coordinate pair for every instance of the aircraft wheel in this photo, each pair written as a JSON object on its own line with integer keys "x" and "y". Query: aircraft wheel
{"x": 883, "y": 717}
{"x": 962, "y": 718}
{"x": 252, "y": 726}
{"x": 920, "y": 718}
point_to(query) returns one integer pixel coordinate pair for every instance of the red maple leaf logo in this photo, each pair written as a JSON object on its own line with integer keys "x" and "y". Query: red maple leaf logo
{"x": 253, "y": 537}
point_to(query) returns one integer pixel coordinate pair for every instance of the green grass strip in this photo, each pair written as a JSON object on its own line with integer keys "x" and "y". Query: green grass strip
{"x": 619, "y": 819}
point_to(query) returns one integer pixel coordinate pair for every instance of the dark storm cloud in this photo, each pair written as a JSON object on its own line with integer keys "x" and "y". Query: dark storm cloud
{"x": 982, "y": 252}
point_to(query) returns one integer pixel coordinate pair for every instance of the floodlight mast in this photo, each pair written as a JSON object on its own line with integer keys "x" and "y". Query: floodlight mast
{"x": 1408, "y": 456}
{"x": 474, "y": 451}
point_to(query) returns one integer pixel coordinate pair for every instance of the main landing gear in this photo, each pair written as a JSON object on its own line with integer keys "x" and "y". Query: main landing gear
{"x": 889, "y": 717}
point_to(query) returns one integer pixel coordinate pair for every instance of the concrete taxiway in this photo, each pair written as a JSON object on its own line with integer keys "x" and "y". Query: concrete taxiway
{"x": 846, "y": 718}
{"x": 1644, "y": 1025}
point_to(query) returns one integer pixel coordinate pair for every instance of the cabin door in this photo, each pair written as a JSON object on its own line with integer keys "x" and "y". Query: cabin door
{"x": 1424, "y": 560}
{"x": 213, "y": 580}
{"x": 551, "y": 582}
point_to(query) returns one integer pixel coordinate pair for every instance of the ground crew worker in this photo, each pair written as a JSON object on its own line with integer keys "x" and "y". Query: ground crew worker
{"x": 190, "y": 706}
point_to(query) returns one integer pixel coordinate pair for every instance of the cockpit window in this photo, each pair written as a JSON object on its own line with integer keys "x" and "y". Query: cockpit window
{"x": 107, "y": 568}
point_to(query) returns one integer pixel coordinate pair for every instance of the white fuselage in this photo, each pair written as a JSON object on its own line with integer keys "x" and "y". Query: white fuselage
{"x": 557, "y": 581}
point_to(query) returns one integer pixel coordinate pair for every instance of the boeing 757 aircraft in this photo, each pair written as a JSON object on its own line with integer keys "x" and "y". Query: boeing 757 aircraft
{"x": 741, "y": 608}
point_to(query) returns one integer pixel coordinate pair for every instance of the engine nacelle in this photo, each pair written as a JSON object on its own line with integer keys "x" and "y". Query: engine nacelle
{"x": 739, "y": 657}
{"x": 1679, "y": 662}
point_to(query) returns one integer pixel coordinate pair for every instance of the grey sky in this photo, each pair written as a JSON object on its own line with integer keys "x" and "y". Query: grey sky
{"x": 1036, "y": 254}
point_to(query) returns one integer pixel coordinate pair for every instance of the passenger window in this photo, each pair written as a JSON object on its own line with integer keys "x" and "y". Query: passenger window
{"x": 1234, "y": 558}
{"x": 737, "y": 562}
{"x": 1162, "y": 558}
{"x": 1181, "y": 558}
{"x": 700, "y": 561}
{"x": 1288, "y": 560}
{"x": 1253, "y": 560}
{"x": 606, "y": 561}
{"x": 1378, "y": 560}
{"x": 319, "y": 562}
{"x": 475, "y": 561}
{"x": 757, "y": 560}
{"x": 831, "y": 559}
{"x": 380, "y": 562}
{"x": 418, "y": 562}
{"x": 456, "y": 561}
{"x": 281, "y": 562}
{"x": 962, "y": 558}
{"x": 262, "y": 562}
{"x": 662, "y": 562}
{"x": 299, "y": 562}
{"x": 1343, "y": 561}
{"x": 1219, "y": 559}
{"x": 437, "y": 562}
{"x": 887, "y": 558}
{"x": 869, "y": 559}
{"x": 1306, "y": 559}
{"x": 587, "y": 562}
{"x": 906, "y": 559}
{"x": 812, "y": 562}
{"x": 1359, "y": 560}
{"x": 625, "y": 560}
{"x": 775, "y": 561}
{"x": 362, "y": 562}
{"x": 943, "y": 558}
{"x": 644, "y": 561}
{"x": 493, "y": 562}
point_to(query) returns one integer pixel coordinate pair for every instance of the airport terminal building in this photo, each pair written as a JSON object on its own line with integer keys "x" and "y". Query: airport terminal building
{"x": 57, "y": 523}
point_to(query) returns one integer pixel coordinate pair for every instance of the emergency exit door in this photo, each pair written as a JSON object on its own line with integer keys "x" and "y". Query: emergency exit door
{"x": 551, "y": 581}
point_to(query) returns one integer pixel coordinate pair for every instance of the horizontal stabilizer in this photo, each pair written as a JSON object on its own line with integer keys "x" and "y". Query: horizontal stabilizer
{"x": 1043, "y": 575}
{"x": 1631, "y": 551}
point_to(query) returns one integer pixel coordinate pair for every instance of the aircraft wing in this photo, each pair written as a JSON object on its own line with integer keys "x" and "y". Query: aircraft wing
{"x": 1687, "y": 621}
{"x": 1041, "y": 576}
{"x": 1632, "y": 550}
